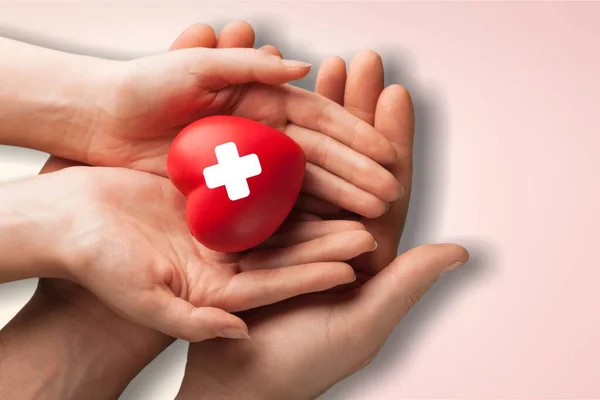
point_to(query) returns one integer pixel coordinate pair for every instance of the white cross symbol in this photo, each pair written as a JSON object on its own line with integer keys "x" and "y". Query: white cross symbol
{"x": 232, "y": 171}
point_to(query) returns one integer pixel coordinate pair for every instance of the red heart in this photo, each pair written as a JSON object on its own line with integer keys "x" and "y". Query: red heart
{"x": 236, "y": 202}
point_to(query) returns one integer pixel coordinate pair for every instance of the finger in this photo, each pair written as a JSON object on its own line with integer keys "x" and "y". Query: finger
{"x": 389, "y": 295}
{"x": 180, "y": 319}
{"x": 267, "y": 286}
{"x": 220, "y": 68}
{"x": 346, "y": 163}
{"x": 197, "y": 35}
{"x": 54, "y": 164}
{"x": 296, "y": 232}
{"x": 331, "y": 79}
{"x": 323, "y": 184}
{"x": 340, "y": 246}
{"x": 364, "y": 85}
{"x": 331, "y": 154}
{"x": 271, "y": 50}
{"x": 236, "y": 34}
{"x": 395, "y": 119}
{"x": 314, "y": 205}
{"x": 313, "y": 111}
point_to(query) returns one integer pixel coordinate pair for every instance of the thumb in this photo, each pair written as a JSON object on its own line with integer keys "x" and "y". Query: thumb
{"x": 178, "y": 318}
{"x": 389, "y": 295}
{"x": 219, "y": 68}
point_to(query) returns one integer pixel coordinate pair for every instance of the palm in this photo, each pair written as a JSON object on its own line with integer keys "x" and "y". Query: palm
{"x": 310, "y": 334}
{"x": 145, "y": 229}
{"x": 154, "y": 235}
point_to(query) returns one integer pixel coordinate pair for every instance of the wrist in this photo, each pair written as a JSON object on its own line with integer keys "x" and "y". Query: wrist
{"x": 48, "y": 98}
{"x": 66, "y": 344}
{"x": 32, "y": 227}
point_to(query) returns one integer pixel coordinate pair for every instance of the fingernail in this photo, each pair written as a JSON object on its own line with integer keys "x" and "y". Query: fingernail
{"x": 452, "y": 266}
{"x": 234, "y": 333}
{"x": 295, "y": 64}
{"x": 401, "y": 192}
{"x": 398, "y": 150}
{"x": 386, "y": 207}
{"x": 375, "y": 247}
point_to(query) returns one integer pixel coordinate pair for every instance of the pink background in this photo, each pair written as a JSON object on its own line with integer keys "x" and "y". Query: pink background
{"x": 508, "y": 163}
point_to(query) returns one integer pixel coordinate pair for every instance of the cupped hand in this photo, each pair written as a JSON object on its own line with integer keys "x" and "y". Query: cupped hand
{"x": 143, "y": 104}
{"x": 128, "y": 242}
{"x": 303, "y": 346}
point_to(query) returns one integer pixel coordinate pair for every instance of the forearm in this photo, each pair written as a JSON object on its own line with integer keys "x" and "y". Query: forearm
{"x": 47, "y": 97}
{"x": 72, "y": 348}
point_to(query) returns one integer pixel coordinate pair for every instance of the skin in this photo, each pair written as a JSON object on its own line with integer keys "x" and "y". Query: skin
{"x": 133, "y": 249}
{"x": 155, "y": 273}
{"x": 317, "y": 325}
{"x": 303, "y": 346}
{"x": 66, "y": 343}
{"x": 126, "y": 114}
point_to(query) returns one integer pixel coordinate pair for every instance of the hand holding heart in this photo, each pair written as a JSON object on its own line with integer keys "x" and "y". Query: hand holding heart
{"x": 126, "y": 240}
{"x": 141, "y": 105}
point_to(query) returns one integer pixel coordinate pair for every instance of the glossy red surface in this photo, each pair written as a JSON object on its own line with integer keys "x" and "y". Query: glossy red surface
{"x": 214, "y": 219}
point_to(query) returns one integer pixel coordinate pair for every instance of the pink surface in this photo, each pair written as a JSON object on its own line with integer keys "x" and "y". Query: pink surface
{"x": 508, "y": 138}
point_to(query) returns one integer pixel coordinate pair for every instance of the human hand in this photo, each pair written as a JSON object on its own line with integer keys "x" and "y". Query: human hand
{"x": 145, "y": 102}
{"x": 303, "y": 346}
{"x": 126, "y": 240}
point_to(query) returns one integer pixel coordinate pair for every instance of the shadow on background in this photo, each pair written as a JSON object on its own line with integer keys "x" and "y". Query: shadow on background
{"x": 428, "y": 191}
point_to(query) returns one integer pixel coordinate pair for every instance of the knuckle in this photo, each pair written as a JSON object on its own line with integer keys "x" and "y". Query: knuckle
{"x": 372, "y": 355}
{"x": 323, "y": 245}
{"x": 252, "y": 52}
{"x": 416, "y": 295}
{"x": 324, "y": 120}
{"x": 322, "y": 152}
{"x": 355, "y": 134}
{"x": 354, "y": 172}
{"x": 364, "y": 115}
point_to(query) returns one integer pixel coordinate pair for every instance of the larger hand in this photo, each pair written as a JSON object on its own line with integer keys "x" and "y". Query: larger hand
{"x": 303, "y": 346}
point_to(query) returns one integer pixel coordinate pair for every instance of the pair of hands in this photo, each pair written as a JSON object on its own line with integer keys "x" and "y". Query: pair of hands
{"x": 125, "y": 237}
{"x": 306, "y": 344}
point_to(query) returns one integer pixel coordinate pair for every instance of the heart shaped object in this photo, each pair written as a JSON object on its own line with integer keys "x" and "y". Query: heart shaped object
{"x": 241, "y": 179}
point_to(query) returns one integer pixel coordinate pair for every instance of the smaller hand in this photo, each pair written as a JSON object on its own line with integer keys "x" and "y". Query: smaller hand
{"x": 127, "y": 241}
